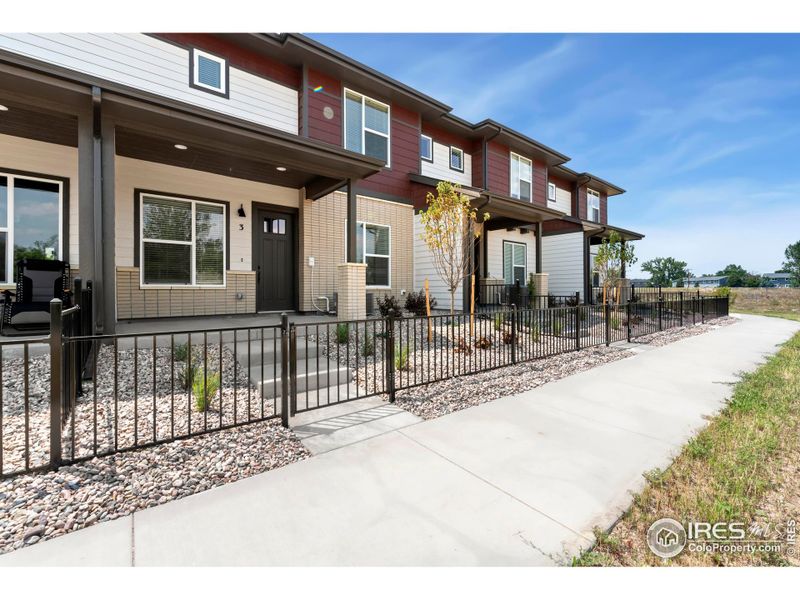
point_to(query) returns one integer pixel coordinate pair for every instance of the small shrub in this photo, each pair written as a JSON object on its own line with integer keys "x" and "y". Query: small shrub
{"x": 368, "y": 347}
{"x": 388, "y": 303}
{"x": 615, "y": 322}
{"x": 535, "y": 334}
{"x": 508, "y": 337}
{"x": 401, "y": 358}
{"x": 558, "y": 327}
{"x": 342, "y": 333}
{"x": 499, "y": 319}
{"x": 181, "y": 352}
{"x": 186, "y": 376}
{"x": 415, "y": 303}
{"x": 204, "y": 388}
{"x": 531, "y": 287}
{"x": 462, "y": 347}
{"x": 483, "y": 343}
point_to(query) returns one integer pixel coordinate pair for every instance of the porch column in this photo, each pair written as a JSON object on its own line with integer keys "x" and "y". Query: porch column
{"x": 351, "y": 277}
{"x": 539, "y": 229}
{"x": 352, "y": 220}
{"x": 105, "y": 234}
{"x": 540, "y": 280}
{"x": 622, "y": 269}
{"x": 587, "y": 272}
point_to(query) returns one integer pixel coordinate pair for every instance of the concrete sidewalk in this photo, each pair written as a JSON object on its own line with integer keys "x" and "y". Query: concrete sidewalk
{"x": 518, "y": 481}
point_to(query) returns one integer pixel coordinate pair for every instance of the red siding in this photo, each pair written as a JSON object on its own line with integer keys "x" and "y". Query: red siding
{"x": 539, "y": 183}
{"x": 499, "y": 173}
{"x": 238, "y": 57}
{"x": 320, "y": 128}
{"x": 604, "y": 208}
{"x": 582, "y": 202}
{"x": 404, "y": 157}
{"x": 559, "y": 226}
{"x": 477, "y": 165}
{"x": 445, "y": 137}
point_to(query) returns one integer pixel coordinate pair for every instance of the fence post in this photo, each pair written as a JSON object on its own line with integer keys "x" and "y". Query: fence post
{"x": 628, "y": 320}
{"x": 389, "y": 324}
{"x": 513, "y": 334}
{"x": 285, "y": 370}
{"x": 660, "y": 313}
{"x": 681, "y": 297}
{"x": 56, "y": 387}
{"x": 577, "y": 326}
{"x": 607, "y": 308}
{"x": 702, "y": 310}
{"x": 293, "y": 370}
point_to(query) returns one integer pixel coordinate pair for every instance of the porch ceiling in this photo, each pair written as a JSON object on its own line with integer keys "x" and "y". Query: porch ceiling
{"x": 52, "y": 128}
{"x": 505, "y": 212}
{"x": 150, "y": 132}
{"x": 599, "y": 231}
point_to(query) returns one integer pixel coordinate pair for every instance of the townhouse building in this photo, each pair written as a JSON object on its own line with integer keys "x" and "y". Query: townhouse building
{"x": 214, "y": 174}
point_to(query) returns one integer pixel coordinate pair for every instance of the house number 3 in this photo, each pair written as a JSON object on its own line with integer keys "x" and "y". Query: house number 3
{"x": 241, "y": 226}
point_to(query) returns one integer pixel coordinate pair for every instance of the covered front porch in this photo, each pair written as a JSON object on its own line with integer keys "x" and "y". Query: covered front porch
{"x": 508, "y": 254}
{"x": 170, "y": 210}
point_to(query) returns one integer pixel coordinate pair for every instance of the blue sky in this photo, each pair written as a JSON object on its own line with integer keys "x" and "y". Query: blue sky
{"x": 703, "y": 131}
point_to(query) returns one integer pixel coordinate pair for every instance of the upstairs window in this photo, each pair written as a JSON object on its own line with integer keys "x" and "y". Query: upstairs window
{"x": 521, "y": 177}
{"x": 209, "y": 73}
{"x": 456, "y": 159}
{"x": 366, "y": 126}
{"x": 551, "y": 192}
{"x": 426, "y": 148}
{"x": 593, "y": 205}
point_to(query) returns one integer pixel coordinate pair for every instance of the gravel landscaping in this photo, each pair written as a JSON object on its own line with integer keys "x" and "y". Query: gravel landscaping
{"x": 662, "y": 338}
{"x": 42, "y": 506}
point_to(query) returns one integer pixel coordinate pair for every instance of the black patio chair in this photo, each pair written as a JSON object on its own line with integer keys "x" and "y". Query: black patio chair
{"x": 38, "y": 282}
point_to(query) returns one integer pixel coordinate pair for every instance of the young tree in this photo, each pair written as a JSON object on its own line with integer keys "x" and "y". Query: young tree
{"x": 611, "y": 255}
{"x": 449, "y": 229}
{"x": 665, "y": 271}
{"x": 792, "y": 264}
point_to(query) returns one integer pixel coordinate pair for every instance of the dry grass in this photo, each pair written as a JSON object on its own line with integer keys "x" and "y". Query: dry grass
{"x": 742, "y": 467}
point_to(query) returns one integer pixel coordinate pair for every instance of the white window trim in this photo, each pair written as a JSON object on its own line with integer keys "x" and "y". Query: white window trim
{"x": 551, "y": 192}
{"x": 589, "y": 195}
{"x": 513, "y": 264}
{"x": 450, "y": 158}
{"x": 364, "y": 251}
{"x": 192, "y": 243}
{"x": 9, "y": 228}
{"x": 223, "y": 77}
{"x": 430, "y": 145}
{"x": 521, "y": 178}
{"x": 364, "y": 128}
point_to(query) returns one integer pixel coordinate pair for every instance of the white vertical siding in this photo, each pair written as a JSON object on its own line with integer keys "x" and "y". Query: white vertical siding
{"x": 563, "y": 201}
{"x": 134, "y": 174}
{"x": 562, "y": 260}
{"x": 494, "y": 251}
{"x": 423, "y": 268}
{"x": 440, "y": 167}
{"x": 161, "y": 68}
{"x": 22, "y": 154}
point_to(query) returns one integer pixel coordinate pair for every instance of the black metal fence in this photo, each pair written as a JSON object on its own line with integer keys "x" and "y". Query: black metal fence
{"x": 74, "y": 395}
{"x": 493, "y": 295}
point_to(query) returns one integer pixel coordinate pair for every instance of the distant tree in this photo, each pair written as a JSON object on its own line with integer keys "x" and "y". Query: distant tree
{"x": 792, "y": 264}
{"x": 666, "y": 271}
{"x": 739, "y": 277}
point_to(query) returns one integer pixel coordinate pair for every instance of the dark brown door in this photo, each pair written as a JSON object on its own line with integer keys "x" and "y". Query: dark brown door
{"x": 274, "y": 258}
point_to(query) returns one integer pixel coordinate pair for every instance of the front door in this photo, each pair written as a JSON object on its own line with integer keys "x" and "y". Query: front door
{"x": 274, "y": 260}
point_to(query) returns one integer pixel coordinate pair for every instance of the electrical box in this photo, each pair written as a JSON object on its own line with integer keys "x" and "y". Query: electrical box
{"x": 310, "y": 261}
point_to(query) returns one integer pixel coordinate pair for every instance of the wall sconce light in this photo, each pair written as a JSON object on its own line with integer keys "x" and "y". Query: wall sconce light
{"x": 241, "y": 212}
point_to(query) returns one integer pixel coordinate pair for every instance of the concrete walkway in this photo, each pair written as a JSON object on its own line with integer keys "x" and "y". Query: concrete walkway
{"x": 519, "y": 481}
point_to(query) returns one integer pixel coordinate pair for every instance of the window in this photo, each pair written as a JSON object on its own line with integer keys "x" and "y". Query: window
{"x": 276, "y": 226}
{"x": 182, "y": 241}
{"x": 209, "y": 73}
{"x": 514, "y": 262}
{"x": 593, "y": 205}
{"x": 30, "y": 220}
{"x": 426, "y": 147}
{"x": 456, "y": 159}
{"x": 551, "y": 192}
{"x": 374, "y": 247}
{"x": 366, "y": 126}
{"x": 521, "y": 177}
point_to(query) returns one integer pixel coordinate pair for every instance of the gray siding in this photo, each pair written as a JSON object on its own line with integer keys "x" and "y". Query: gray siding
{"x": 161, "y": 68}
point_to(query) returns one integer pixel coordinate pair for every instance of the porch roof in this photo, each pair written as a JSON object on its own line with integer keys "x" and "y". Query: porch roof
{"x": 599, "y": 230}
{"x": 505, "y": 211}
